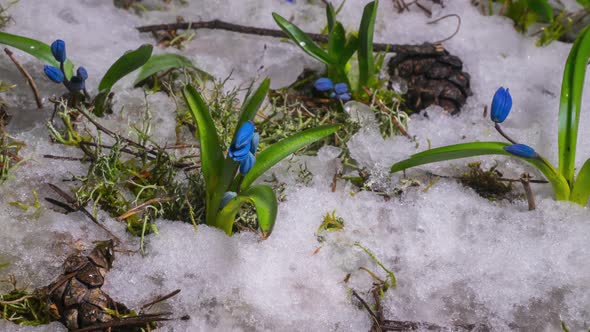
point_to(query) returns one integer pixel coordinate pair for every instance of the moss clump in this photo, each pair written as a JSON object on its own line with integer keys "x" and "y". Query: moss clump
{"x": 487, "y": 183}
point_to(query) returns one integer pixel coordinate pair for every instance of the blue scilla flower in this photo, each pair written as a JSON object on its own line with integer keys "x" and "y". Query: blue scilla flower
{"x": 340, "y": 88}
{"x": 254, "y": 143}
{"x": 57, "y": 75}
{"x": 521, "y": 150}
{"x": 323, "y": 84}
{"x": 54, "y": 74}
{"x": 58, "y": 49}
{"x": 246, "y": 164}
{"x": 241, "y": 146}
{"x": 227, "y": 196}
{"x": 501, "y": 105}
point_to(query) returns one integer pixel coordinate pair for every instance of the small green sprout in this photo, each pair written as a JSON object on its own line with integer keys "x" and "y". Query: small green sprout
{"x": 565, "y": 185}
{"x": 219, "y": 171}
{"x": 340, "y": 49}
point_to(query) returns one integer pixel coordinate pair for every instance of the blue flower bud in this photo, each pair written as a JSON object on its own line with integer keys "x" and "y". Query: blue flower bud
{"x": 244, "y": 135}
{"x": 246, "y": 164}
{"x": 323, "y": 84}
{"x": 82, "y": 73}
{"x": 501, "y": 105}
{"x": 254, "y": 143}
{"x": 239, "y": 154}
{"x": 54, "y": 74}
{"x": 58, "y": 49}
{"x": 521, "y": 150}
{"x": 227, "y": 196}
{"x": 344, "y": 97}
{"x": 340, "y": 88}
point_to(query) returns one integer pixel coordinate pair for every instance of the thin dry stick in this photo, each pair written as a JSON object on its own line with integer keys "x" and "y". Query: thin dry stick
{"x": 27, "y": 76}
{"x": 456, "y": 30}
{"x": 16, "y": 301}
{"x": 160, "y": 299}
{"x": 221, "y": 25}
{"x": 136, "y": 209}
{"x": 525, "y": 180}
{"x": 75, "y": 205}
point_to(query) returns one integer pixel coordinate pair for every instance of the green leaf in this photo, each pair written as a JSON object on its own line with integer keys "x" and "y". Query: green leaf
{"x": 352, "y": 45}
{"x": 572, "y": 87}
{"x": 127, "y": 63}
{"x": 253, "y": 103}
{"x": 365, "y": 55}
{"x": 584, "y": 3}
{"x": 337, "y": 41}
{"x": 473, "y": 149}
{"x": 162, "y": 62}
{"x": 542, "y": 8}
{"x": 2, "y": 265}
{"x": 265, "y": 201}
{"x": 278, "y": 151}
{"x": 303, "y": 41}
{"x": 211, "y": 155}
{"x": 331, "y": 16}
{"x": 581, "y": 188}
{"x": 35, "y": 48}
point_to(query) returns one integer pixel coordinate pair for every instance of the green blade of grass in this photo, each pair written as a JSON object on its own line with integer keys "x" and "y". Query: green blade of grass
{"x": 162, "y": 62}
{"x": 126, "y": 64}
{"x": 352, "y": 45}
{"x": 211, "y": 155}
{"x": 35, "y": 48}
{"x": 337, "y": 41}
{"x": 253, "y": 103}
{"x": 581, "y": 188}
{"x": 303, "y": 41}
{"x": 331, "y": 16}
{"x": 474, "y": 149}
{"x": 365, "y": 50}
{"x": 265, "y": 201}
{"x": 571, "y": 103}
{"x": 278, "y": 151}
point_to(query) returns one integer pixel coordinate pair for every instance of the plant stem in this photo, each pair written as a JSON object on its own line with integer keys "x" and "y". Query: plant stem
{"x": 499, "y": 129}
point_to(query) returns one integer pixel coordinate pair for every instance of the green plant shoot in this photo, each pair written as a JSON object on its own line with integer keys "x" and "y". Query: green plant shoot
{"x": 341, "y": 47}
{"x": 229, "y": 179}
{"x": 565, "y": 184}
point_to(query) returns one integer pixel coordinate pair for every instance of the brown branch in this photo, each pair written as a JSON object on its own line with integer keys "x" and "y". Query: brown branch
{"x": 74, "y": 204}
{"x": 221, "y": 25}
{"x": 525, "y": 180}
{"x": 161, "y": 298}
{"x": 27, "y": 76}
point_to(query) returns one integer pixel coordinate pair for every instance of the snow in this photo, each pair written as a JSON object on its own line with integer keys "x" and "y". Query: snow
{"x": 458, "y": 258}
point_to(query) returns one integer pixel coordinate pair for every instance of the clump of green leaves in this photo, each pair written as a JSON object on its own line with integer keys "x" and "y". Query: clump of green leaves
{"x": 25, "y": 308}
{"x": 341, "y": 48}
{"x": 219, "y": 170}
{"x": 9, "y": 150}
{"x": 331, "y": 223}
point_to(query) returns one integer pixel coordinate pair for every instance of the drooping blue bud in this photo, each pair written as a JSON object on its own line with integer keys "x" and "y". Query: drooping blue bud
{"x": 501, "y": 105}
{"x": 340, "y": 88}
{"x": 227, "y": 196}
{"x": 521, "y": 150}
{"x": 239, "y": 154}
{"x": 54, "y": 74}
{"x": 82, "y": 73}
{"x": 246, "y": 164}
{"x": 344, "y": 97}
{"x": 323, "y": 84}
{"x": 244, "y": 135}
{"x": 254, "y": 143}
{"x": 58, "y": 49}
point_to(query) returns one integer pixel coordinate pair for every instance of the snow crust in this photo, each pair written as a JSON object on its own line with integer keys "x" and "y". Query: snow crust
{"x": 458, "y": 258}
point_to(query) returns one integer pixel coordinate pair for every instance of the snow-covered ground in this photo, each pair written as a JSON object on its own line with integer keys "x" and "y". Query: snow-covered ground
{"x": 458, "y": 258}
